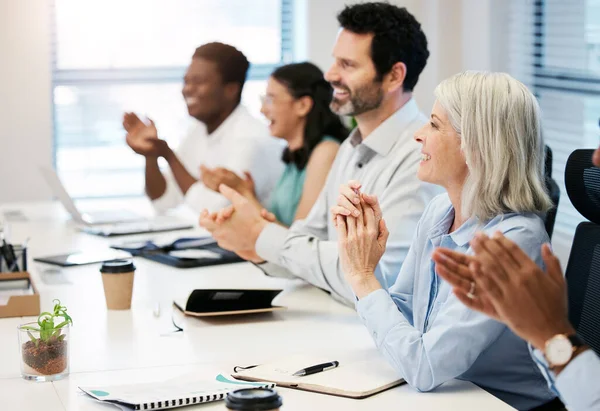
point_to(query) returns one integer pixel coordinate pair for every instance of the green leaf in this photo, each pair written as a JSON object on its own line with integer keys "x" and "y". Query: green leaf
{"x": 28, "y": 327}
{"x": 41, "y": 320}
{"x": 32, "y": 338}
{"x": 46, "y": 321}
{"x": 56, "y": 336}
{"x": 61, "y": 325}
{"x": 67, "y": 317}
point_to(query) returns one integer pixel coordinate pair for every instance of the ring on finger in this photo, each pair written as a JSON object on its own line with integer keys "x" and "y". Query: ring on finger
{"x": 471, "y": 294}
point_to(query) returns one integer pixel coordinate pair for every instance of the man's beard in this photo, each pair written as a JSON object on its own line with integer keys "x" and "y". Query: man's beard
{"x": 366, "y": 98}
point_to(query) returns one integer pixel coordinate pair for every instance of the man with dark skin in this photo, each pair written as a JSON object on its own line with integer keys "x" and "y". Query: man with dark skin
{"x": 227, "y": 135}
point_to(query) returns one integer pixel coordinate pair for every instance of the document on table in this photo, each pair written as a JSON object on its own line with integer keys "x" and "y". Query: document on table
{"x": 173, "y": 393}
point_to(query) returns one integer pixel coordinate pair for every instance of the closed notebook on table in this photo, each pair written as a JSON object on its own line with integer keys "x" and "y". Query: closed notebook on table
{"x": 359, "y": 374}
{"x": 215, "y": 302}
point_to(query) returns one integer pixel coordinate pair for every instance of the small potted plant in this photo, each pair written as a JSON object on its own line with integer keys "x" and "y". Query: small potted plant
{"x": 44, "y": 345}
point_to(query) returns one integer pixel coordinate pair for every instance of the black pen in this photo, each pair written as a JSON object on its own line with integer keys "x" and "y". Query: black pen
{"x": 316, "y": 368}
{"x": 8, "y": 253}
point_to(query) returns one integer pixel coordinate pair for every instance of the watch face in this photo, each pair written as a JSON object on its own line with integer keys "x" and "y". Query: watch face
{"x": 559, "y": 350}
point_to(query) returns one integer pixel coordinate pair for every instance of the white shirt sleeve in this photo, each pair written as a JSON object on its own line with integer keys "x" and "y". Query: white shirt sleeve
{"x": 577, "y": 385}
{"x": 254, "y": 152}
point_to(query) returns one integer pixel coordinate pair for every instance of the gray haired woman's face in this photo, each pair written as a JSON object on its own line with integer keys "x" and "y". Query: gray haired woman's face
{"x": 442, "y": 160}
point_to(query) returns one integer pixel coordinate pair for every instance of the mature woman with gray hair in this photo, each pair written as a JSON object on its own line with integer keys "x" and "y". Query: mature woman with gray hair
{"x": 483, "y": 144}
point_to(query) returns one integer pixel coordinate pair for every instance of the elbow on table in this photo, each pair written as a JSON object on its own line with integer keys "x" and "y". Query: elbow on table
{"x": 422, "y": 384}
{"x": 417, "y": 371}
{"x": 420, "y": 381}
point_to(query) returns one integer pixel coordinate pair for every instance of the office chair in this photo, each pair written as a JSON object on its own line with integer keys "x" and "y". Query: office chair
{"x": 553, "y": 192}
{"x": 582, "y": 180}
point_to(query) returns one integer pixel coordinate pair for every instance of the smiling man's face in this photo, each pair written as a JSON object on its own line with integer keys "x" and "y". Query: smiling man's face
{"x": 357, "y": 88}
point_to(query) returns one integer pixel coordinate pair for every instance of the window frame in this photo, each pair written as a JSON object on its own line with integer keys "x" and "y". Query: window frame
{"x": 583, "y": 82}
{"x": 574, "y": 82}
{"x": 158, "y": 75}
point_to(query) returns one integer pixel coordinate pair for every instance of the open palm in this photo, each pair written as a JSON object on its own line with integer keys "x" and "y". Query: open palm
{"x": 141, "y": 137}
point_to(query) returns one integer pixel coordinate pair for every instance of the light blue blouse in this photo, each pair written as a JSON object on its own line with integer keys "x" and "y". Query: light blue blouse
{"x": 430, "y": 337}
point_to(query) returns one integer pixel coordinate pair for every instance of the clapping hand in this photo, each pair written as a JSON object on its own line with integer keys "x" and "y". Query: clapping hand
{"x": 142, "y": 137}
{"x": 510, "y": 287}
{"x": 214, "y": 177}
{"x": 236, "y": 227}
{"x": 454, "y": 267}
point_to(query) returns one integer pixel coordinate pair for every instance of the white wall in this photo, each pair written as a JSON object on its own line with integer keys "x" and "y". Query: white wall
{"x": 459, "y": 32}
{"x": 25, "y": 100}
{"x": 460, "y": 35}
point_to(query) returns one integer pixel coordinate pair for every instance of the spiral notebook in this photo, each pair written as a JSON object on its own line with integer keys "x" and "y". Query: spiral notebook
{"x": 174, "y": 393}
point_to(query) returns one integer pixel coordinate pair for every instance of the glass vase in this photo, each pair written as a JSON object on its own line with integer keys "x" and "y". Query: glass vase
{"x": 44, "y": 355}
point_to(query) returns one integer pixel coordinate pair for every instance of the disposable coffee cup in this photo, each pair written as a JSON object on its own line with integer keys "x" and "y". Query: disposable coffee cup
{"x": 253, "y": 399}
{"x": 117, "y": 278}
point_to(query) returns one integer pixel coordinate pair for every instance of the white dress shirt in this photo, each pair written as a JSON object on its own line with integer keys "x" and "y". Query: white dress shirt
{"x": 386, "y": 164}
{"x": 241, "y": 143}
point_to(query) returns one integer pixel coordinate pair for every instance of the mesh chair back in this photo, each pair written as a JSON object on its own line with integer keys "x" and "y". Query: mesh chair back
{"x": 582, "y": 181}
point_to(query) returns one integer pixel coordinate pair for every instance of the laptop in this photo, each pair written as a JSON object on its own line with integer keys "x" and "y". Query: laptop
{"x": 109, "y": 222}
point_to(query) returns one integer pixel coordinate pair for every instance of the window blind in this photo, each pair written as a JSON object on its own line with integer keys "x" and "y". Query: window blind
{"x": 112, "y": 56}
{"x": 555, "y": 49}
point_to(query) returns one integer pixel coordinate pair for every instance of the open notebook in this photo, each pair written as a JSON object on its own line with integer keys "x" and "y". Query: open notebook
{"x": 174, "y": 393}
{"x": 359, "y": 375}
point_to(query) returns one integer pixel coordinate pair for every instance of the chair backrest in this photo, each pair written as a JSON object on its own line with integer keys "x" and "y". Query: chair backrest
{"x": 553, "y": 192}
{"x": 582, "y": 180}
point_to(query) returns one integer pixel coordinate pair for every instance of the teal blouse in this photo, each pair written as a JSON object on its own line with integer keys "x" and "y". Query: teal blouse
{"x": 288, "y": 191}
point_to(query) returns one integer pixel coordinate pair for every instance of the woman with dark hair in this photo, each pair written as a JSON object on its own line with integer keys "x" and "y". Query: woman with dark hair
{"x": 297, "y": 106}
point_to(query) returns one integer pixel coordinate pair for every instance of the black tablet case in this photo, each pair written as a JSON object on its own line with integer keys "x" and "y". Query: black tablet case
{"x": 161, "y": 254}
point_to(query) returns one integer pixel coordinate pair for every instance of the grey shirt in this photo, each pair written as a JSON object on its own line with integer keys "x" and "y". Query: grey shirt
{"x": 386, "y": 164}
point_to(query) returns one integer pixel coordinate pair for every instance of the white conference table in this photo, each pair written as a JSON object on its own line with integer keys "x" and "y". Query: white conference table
{"x": 139, "y": 345}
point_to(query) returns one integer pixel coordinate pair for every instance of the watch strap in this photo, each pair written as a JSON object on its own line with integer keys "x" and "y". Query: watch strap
{"x": 576, "y": 341}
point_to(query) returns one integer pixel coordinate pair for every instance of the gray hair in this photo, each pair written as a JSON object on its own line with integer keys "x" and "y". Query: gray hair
{"x": 499, "y": 122}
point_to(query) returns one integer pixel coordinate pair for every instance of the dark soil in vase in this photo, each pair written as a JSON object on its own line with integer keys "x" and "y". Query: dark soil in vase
{"x": 47, "y": 358}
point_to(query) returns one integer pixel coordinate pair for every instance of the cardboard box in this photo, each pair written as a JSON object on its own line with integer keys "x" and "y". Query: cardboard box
{"x": 21, "y": 305}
